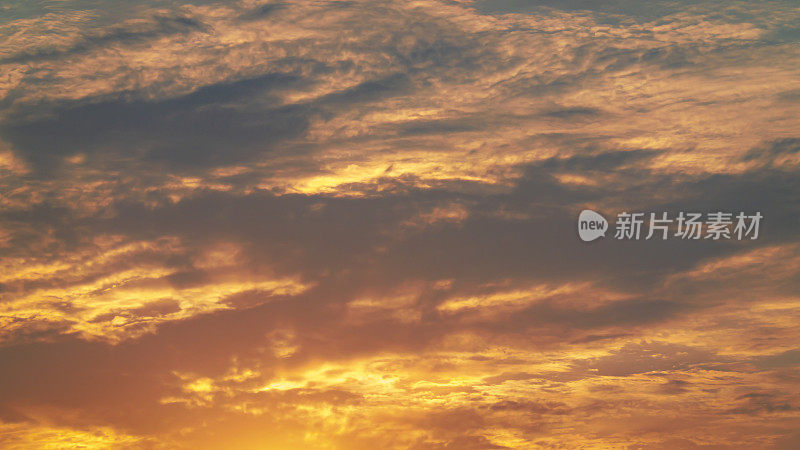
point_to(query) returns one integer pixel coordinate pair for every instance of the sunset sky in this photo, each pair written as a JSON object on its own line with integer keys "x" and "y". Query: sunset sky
{"x": 352, "y": 224}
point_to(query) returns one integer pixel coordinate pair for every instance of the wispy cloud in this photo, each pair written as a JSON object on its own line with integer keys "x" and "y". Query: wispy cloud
{"x": 339, "y": 224}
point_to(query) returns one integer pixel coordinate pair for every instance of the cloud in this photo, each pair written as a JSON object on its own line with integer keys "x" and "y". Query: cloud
{"x": 352, "y": 224}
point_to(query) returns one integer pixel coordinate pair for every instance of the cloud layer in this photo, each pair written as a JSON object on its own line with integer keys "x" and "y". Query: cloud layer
{"x": 346, "y": 224}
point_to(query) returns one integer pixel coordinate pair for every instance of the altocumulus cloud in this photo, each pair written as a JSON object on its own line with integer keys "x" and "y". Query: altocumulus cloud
{"x": 350, "y": 224}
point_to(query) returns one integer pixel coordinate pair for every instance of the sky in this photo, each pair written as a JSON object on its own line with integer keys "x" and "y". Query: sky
{"x": 352, "y": 224}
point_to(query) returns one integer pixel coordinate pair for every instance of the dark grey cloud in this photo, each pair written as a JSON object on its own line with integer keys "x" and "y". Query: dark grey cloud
{"x": 203, "y": 128}
{"x": 768, "y": 153}
{"x": 264, "y": 10}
